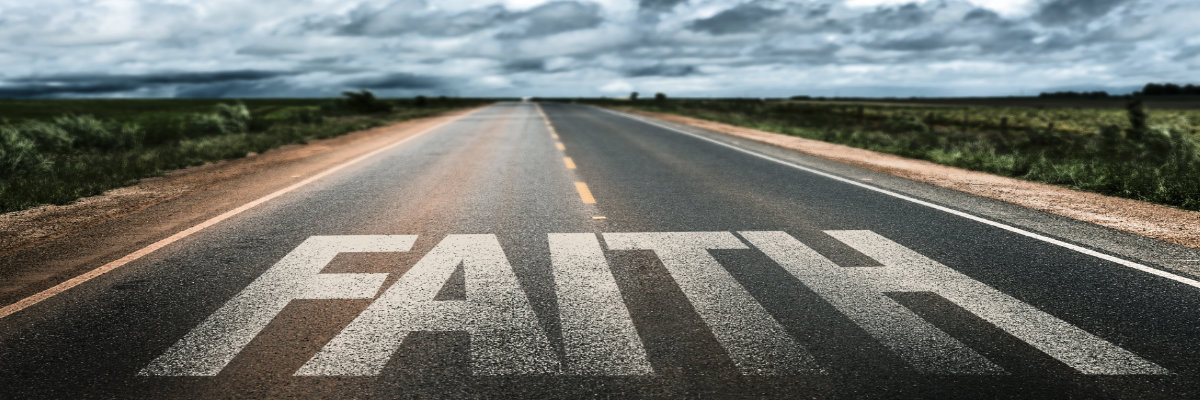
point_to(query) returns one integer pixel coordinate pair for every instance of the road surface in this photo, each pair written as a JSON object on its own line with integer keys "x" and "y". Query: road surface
{"x": 560, "y": 250}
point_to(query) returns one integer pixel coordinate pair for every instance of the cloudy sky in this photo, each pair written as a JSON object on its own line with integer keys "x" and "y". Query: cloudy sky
{"x": 271, "y": 48}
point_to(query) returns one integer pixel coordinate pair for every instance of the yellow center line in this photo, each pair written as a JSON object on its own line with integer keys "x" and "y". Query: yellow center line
{"x": 584, "y": 193}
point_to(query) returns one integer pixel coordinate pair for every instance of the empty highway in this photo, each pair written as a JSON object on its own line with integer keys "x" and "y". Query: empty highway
{"x": 561, "y": 250}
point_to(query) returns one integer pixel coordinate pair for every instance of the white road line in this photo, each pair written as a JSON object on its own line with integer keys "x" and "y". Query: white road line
{"x": 205, "y": 350}
{"x": 756, "y": 342}
{"x": 859, "y": 292}
{"x": 506, "y": 337}
{"x": 76, "y": 281}
{"x": 598, "y": 334}
{"x": 1010, "y": 228}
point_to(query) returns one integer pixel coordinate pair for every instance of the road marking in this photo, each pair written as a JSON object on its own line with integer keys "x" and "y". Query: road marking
{"x": 756, "y": 343}
{"x": 209, "y": 347}
{"x": 546, "y": 119}
{"x": 598, "y": 334}
{"x": 599, "y": 217}
{"x": 78, "y": 280}
{"x": 506, "y": 337}
{"x": 1010, "y": 228}
{"x": 584, "y": 193}
{"x": 582, "y": 188}
{"x": 925, "y": 347}
{"x": 860, "y": 294}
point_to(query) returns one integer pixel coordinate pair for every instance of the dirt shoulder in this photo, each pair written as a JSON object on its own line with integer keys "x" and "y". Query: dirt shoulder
{"x": 1164, "y": 223}
{"x": 45, "y": 244}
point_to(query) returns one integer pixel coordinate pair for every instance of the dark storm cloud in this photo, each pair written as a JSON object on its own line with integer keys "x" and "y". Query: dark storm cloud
{"x": 739, "y": 19}
{"x": 154, "y": 78}
{"x": 980, "y": 15}
{"x": 917, "y": 43}
{"x": 659, "y": 5}
{"x": 909, "y": 15}
{"x": 407, "y": 17}
{"x": 771, "y": 18}
{"x": 1071, "y": 12}
{"x": 1186, "y": 53}
{"x": 524, "y": 65}
{"x": 266, "y": 50}
{"x": 30, "y": 90}
{"x": 398, "y": 80}
{"x": 556, "y": 17}
{"x": 662, "y": 70}
{"x": 96, "y": 83}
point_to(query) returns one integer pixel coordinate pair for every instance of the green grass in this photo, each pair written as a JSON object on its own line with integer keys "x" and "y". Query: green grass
{"x": 1093, "y": 149}
{"x": 56, "y": 151}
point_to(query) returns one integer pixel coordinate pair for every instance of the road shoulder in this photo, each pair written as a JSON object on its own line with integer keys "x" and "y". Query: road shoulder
{"x": 50, "y": 244}
{"x": 1158, "y": 235}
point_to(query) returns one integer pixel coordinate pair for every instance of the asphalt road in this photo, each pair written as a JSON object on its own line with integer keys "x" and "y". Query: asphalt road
{"x": 579, "y": 252}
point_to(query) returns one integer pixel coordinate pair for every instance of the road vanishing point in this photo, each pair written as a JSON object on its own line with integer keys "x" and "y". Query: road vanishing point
{"x": 552, "y": 250}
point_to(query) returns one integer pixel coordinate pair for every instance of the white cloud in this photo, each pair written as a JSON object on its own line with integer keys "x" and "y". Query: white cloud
{"x": 616, "y": 87}
{"x": 799, "y": 46}
{"x": 1003, "y": 7}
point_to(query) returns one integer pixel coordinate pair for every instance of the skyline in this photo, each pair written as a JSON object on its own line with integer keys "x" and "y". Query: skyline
{"x": 859, "y": 48}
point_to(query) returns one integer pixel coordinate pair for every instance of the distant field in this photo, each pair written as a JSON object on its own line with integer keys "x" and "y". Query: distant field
{"x": 56, "y": 151}
{"x": 1114, "y": 102}
{"x": 1150, "y": 152}
{"x": 15, "y": 110}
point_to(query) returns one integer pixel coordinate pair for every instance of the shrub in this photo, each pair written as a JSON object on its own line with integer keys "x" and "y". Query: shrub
{"x": 1137, "y": 118}
{"x": 131, "y": 135}
{"x": 227, "y": 119}
{"x": 236, "y": 116}
{"x": 89, "y": 132}
{"x": 199, "y": 125}
{"x": 296, "y": 115}
{"x": 905, "y": 123}
{"x": 362, "y": 102}
{"x": 19, "y": 153}
{"x": 48, "y": 136}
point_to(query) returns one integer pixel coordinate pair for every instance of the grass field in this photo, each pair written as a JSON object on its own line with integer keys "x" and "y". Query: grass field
{"x": 56, "y": 151}
{"x": 1149, "y": 153}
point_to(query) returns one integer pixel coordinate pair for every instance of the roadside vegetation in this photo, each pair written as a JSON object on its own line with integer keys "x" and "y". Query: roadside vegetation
{"x": 1133, "y": 152}
{"x": 56, "y": 151}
